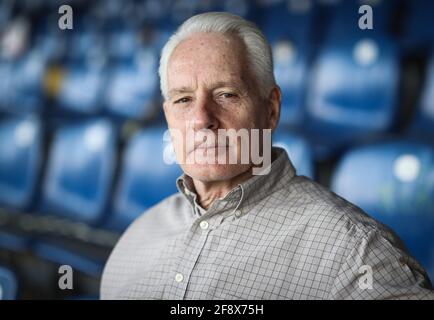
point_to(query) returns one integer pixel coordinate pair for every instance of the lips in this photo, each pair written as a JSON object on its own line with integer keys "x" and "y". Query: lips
{"x": 213, "y": 142}
{"x": 204, "y": 146}
{"x": 209, "y": 147}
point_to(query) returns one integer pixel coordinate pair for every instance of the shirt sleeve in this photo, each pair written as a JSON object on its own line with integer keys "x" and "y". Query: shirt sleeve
{"x": 378, "y": 267}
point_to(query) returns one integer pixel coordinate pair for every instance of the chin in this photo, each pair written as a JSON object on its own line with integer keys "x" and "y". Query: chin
{"x": 214, "y": 172}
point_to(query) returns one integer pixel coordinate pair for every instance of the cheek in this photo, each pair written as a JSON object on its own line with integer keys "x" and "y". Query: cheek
{"x": 179, "y": 144}
{"x": 247, "y": 117}
{"x": 174, "y": 120}
{"x": 260, "y": 117}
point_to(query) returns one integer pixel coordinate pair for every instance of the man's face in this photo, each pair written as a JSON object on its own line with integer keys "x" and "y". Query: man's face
{"x": 210, "y": 87}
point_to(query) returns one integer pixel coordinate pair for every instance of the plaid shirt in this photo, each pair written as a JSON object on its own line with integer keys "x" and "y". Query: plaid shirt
{"x": 276, "y": 236}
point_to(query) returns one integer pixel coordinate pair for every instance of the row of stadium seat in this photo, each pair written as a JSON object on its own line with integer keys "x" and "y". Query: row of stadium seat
{"x": 346, "y": 81}
{"x": 360, "y": 101}
{"x": 128, "y": 88}
{"x": 80, "y": 171}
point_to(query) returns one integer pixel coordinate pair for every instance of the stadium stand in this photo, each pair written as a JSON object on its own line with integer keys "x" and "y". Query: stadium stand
{"x": 73, "y": 175}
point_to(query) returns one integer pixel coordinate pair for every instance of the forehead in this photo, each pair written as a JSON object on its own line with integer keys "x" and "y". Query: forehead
{"x": 206, "y": 56}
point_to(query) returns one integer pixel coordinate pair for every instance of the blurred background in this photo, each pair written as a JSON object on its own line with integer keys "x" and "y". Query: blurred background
{"x": 81, "y": 123}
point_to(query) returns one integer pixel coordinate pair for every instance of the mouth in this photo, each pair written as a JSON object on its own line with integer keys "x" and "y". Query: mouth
{"x": 209, "y": 147}
{"x": 204, "y": 148}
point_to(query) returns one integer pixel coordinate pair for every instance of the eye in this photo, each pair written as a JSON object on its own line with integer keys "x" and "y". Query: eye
{"x": 183, "y": 100}
{"x": 228, "y": 95}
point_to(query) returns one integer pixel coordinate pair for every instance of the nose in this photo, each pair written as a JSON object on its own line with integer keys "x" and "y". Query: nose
{"x": 204, "y": 114}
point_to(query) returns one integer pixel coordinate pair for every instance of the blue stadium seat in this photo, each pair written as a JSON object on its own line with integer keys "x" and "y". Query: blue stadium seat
{"x": 133, "y": 85}
{"x": 50, "y": 41}
{"x": 123, "y": 41}
{"x": 8, "y": 284}
{"x": 291, "y": 45}
{"x": 353, "y": 91}
{"x": 394, "y": 182}
{"x": 27, "y": 83}
{"x": 299, "y": 151}
{"x": 423, "y": 123}
{"x": 80, "y": 171}
{"x": 86, "y": 41}
{"x": 82, "y": 86}
{"x": 21, "y": 85}
{"x": 20, "y": 160}
{"x": 145, "y": 177}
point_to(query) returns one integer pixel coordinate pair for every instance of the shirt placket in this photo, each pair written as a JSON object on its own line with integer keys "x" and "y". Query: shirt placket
{"x": 189, "y": 254}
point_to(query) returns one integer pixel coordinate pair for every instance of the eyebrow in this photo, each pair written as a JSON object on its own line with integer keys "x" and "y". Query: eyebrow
{"x": 176, "y": 91}
{"x": 218, "y": 84}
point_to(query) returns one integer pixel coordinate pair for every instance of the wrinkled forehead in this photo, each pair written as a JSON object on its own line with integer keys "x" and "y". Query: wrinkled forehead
{"x": 207, "y": 56}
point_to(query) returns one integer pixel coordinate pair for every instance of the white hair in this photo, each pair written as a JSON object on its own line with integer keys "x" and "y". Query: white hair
{"x": 258, "y": 49}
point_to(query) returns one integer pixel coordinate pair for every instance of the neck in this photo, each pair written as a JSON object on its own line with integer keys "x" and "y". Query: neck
{"x": 209, "y": 191}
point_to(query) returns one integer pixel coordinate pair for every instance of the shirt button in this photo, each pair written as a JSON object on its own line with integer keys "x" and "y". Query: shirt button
{"x": 204, "y": 225}
{"x": 238, "y": 213}
{"x": 179, "y": 277}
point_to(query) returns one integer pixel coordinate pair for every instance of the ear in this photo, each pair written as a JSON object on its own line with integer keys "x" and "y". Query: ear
{"x": 274, "y": 102}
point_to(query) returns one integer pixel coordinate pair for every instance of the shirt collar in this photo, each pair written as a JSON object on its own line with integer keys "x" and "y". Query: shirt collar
{"x": 249, "y": 191}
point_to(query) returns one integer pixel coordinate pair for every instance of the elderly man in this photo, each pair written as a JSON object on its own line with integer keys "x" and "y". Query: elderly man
{"x": 233, "y": 234}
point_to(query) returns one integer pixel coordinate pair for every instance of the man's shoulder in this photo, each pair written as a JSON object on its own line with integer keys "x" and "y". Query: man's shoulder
{"x": 321, "y": 209}
{"x": 170, "y": 211}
